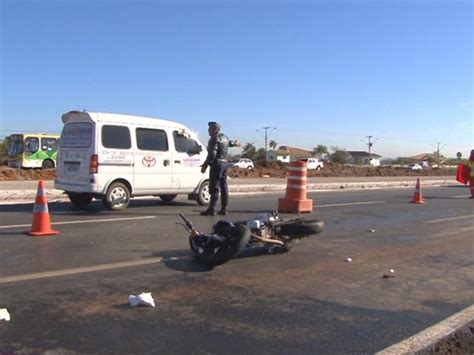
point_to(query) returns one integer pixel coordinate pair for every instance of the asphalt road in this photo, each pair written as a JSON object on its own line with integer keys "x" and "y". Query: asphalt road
{"x": 68, "y": 293}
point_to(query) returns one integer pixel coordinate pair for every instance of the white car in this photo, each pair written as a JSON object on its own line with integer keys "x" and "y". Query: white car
{"x": 242, "y": 164}
{"x": 415, "y": 167}
{"x": 313, "y": 163}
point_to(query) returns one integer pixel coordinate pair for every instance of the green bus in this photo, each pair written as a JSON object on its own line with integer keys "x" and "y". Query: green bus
{"x": 32, "y": 150}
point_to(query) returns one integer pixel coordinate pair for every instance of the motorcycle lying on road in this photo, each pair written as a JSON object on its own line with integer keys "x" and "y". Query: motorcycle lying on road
{"x": 268, "y": 233}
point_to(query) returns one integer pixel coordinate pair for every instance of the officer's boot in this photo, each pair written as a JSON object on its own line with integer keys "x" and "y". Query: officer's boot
{"x": 210, "y": 211}
{"x": 223, "y": 210}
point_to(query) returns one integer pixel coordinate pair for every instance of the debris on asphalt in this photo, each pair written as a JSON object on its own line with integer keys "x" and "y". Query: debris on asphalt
{"x": 371, "y": 230}
{"x": 391, "y": 271}
{"x": 386, "y": 276}
{"x": 4, "y": 315}
{"x": 144, "y": 299}
{"x": 349, "y": 260}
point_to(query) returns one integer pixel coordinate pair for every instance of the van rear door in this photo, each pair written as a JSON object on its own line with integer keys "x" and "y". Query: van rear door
{"x": 75, "y": 149}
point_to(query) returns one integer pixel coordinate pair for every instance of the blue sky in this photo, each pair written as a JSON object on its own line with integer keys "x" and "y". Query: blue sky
{"x": 321, "y": 72}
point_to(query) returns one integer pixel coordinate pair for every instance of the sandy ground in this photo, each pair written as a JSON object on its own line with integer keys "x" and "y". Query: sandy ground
{"x": 264, "y": 170}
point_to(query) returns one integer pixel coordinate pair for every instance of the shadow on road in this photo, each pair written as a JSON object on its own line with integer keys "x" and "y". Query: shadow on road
{"x": 181, "y": 260}
{"x": 95, "y": 206}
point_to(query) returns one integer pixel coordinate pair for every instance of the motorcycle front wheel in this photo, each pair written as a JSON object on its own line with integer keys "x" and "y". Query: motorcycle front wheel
{"x": 236, "y": 240}
{"x": 300, "y": 228}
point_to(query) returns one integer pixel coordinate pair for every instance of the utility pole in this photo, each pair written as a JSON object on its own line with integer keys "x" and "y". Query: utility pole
{"x": 438, "y": 151}
{"x": 267, "y": 134}
{"x": 370, "y": 144}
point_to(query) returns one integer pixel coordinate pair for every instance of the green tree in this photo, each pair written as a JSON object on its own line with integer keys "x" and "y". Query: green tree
{"x": 319, "y": 150}
{"x": 272, "y": 144}
{"x": 249, "y": 151}
{"x": 3, "y": 151}
{"x": 259, "y": 154}
{"x": 402, "y": 161}
{"x": 339, "y": 156}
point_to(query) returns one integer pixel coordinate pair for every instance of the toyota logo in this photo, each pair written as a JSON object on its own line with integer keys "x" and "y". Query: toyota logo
{"x": 148, "y": 161}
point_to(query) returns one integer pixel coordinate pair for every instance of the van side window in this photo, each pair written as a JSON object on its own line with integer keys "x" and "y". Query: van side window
{"x": 116, "y": 137}
{"x": 184, "y": 144}
{"x": 152, "y": 139}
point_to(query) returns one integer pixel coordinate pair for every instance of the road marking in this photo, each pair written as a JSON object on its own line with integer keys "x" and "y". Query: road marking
{"x": 350, "y": 204}
{"x": 83, "y": 221}
{"x": 449, "y": 219}
{"x": 79, "y": 270}
{"x": 425, "y": 341}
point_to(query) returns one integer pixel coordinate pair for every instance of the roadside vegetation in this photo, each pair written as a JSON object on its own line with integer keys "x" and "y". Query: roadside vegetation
{"x": 262, "y": 169}
{"x": 3, "y": 151}
{"x": 334, "y": 159}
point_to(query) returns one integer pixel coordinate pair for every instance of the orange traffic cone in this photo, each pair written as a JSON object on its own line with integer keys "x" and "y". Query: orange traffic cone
{"x": 417, "y": 196}
{"x": 295, "y": 200}
{"x": 41, "y": 223}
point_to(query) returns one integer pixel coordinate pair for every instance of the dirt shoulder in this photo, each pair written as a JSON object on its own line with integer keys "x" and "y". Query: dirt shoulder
{"x": 265, "y": 170}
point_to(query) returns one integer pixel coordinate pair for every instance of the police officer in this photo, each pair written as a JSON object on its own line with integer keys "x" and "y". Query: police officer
{"x": 216, "y": 159}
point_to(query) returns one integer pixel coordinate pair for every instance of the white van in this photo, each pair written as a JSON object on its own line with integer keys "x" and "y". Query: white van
{"x": 115, "y": 157}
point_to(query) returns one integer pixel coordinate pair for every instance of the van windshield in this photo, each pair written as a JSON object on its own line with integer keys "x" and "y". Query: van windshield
{"x": 76, "y": 135}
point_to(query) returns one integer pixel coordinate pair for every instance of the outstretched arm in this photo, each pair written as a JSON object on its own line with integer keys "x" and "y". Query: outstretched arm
{"x": 234, "y": 143}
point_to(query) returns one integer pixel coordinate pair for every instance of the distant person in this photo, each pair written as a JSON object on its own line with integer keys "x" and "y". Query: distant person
{"x": 470, "y": 165}
{"x": 217, "y": 161}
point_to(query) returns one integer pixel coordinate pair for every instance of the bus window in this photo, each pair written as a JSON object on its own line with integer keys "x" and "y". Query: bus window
{"x": 15, "y": 148}
{"x": 32, "y": 145}
{"x": 49, "y": 144}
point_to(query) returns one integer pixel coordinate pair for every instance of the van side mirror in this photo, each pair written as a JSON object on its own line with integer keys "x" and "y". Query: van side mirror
{"x": 195, "y": 150}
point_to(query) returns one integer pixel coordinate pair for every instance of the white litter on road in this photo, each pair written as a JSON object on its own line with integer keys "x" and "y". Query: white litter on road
{"x": 4, "y": 315}
{"x": 144, "y": 299}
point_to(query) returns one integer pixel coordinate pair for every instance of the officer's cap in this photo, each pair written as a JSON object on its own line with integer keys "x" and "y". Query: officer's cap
{"x": 214, "y": 124}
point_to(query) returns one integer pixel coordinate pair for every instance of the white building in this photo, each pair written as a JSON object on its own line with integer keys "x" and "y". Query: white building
{"x": 286, "y": 154}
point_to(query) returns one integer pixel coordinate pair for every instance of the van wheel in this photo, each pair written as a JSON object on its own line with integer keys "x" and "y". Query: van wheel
{"x": 80, "y": 200}
{"x": 167, "y": 198}
{"x": 117, "y": 197}
{"x": 47, "y": 164}
{"x": 203, "y": 195}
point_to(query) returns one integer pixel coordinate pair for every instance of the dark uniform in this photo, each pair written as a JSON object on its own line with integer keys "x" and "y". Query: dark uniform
{"x": 217, "y": 161}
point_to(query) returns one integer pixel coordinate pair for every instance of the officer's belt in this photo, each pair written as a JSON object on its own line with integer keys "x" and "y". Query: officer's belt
{"x": 219, "y": 161}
